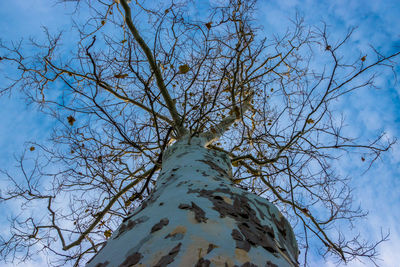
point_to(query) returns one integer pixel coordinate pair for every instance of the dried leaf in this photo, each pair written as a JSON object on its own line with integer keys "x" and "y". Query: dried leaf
{"x": 183, "y": 68}
{"x": 103, "y": 22}
{"x": 32, "y": 148}
{"x": 120, "y": 76}
{"x": 362, "y": 159}
{"x": 310, "y": 120}
{"x": 107, "y": 233}
{"x": 226, "y": 89}
{"x": 162, "y": 67}
{"x": 208, "y": 25}
{"x": 363, "y": 58}
{"x": 254, "y": 172}
{"x": 328, "y": 47}
{"x": 71, "y": 120}
{"x": 127, "y": 203}
{"x": 304, "y": 210}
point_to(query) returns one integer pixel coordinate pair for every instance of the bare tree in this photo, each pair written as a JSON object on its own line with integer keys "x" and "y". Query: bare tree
{"x": 153, "y": 90}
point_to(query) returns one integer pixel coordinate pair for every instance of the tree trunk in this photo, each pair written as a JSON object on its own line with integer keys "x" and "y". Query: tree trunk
{"x": 197, "y": 217}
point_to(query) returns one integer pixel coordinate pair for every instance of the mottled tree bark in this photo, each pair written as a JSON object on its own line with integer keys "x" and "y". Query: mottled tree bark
{"x": 197, "y": 217}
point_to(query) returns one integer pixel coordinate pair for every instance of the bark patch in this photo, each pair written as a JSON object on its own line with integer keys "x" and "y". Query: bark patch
{"x": 280, "y": 224}
{"x": 167, "y": 259}
{"x": 215, "y": 167}
{"x": 251, "y": 232}
{"x": 240, "y": 241}
{"x": 285, "y": 235}
{"x": 126, "y": 226}
{"x": 199, "y": 213}
{"x": 102, "y": 264}
{"x": 203, "y": 263}
{"x": 177, "y": 234}
{"x": 270, "y": 264}
{"x": 181, "y": 183}
{"x": 131, "y": 259}
{"x": 158, "y": 226}
{"x": 247, "y": 264}
{"x": 182, "y": 155}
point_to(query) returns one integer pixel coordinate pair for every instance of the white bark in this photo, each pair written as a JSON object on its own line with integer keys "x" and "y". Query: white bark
{"x": 236, "y": 114}
{"x": 197, "y": 217}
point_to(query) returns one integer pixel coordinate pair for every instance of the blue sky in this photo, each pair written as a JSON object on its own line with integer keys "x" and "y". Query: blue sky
{"x": 368, "y": 112}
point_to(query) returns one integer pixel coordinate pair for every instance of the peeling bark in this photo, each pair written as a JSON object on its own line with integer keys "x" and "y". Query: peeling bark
{"x": 198, "y": 216}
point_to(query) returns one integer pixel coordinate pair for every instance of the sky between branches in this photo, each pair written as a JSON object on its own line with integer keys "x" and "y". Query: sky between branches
{"x": 368, "y": 112}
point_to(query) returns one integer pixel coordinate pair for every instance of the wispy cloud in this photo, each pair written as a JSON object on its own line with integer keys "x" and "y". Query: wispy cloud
{"x": 368, "y": 112}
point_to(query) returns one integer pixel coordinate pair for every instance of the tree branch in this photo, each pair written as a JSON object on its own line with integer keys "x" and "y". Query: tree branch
{"x": 178, "y": 123}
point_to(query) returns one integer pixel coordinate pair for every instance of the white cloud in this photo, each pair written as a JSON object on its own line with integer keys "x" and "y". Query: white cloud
{"x": 367, "y": 112}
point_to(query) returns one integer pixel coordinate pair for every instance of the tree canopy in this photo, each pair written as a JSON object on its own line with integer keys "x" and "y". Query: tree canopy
{"x": 129, "y": 79}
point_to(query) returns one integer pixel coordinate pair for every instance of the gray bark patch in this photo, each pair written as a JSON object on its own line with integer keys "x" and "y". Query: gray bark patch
{"x": 280, "y": 224}
{"x": 131, "y": 259}
{"x": 181, "y": 183}
{"x": 126, "y": 226}
{"x": 175, "y": 237}
{"x": 102, "y": 264}
{"x": 286, "y": 236}
{"x": 257, "y": 236}
{"x": 205, "y": 174}
{"x": 182, "y": 155}
{"x": 158, "y": 226}
{"x": 167, "y": 259}
{"x": 240, "y": 241}
{"x": 199, "y": 213}
{"x": 203, "y": 263}
{"x": 215, "y": 167}
{"x": 247, "y": 264}
{"x": 270, "y": 264}
{"x": 251, "y": 232}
